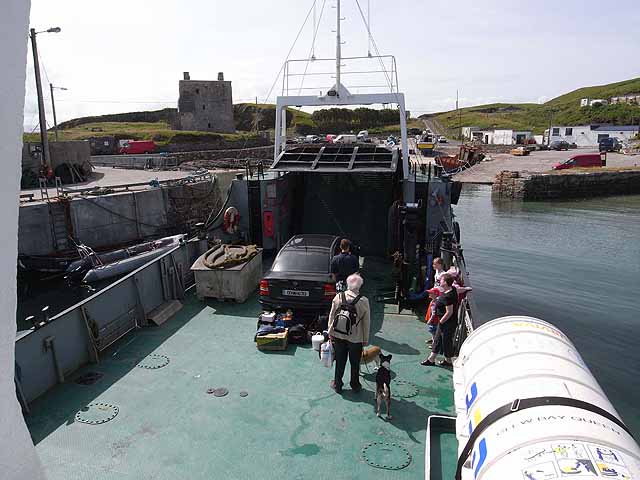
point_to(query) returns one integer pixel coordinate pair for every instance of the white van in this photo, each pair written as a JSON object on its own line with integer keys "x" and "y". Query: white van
{"x": 346, "y": 139}
{"x": 363, "y": 136}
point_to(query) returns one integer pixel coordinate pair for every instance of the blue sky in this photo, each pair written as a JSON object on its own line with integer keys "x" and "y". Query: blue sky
{"x": 129, "y": 55}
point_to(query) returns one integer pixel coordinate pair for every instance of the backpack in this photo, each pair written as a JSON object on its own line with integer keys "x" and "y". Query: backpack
{"x": 297, "y": 335}
{"x": 347, "y": 316}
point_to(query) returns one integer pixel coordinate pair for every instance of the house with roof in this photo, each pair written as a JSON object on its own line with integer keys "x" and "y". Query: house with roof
{"x": 497, "y": 137}
{"x": 591, "y": 135}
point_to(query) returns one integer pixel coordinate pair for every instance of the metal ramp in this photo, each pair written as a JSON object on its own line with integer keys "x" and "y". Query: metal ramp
{"x": 334, "y": 158}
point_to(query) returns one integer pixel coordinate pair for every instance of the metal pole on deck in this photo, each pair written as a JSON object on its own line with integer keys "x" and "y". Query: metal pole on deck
{"x": 338, "y": 49}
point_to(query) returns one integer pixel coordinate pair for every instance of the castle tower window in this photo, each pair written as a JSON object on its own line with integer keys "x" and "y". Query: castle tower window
{"x": 197, "y": 91}
{"x": 203, "y": 107}
{"x": 208, "y": 125}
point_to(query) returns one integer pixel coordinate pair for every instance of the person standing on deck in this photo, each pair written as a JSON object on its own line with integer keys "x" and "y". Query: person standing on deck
{"x": 447, "y": 310}
{"x": 344, "y": 264}
{"x": 438, "y": 266}
{"x": 349, "y": 333}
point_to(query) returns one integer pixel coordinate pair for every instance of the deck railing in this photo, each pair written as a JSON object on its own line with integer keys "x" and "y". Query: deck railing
{"x": 54, "y": 350}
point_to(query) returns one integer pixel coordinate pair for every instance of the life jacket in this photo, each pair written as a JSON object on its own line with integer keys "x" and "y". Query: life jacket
{"x": 347, "y": 316}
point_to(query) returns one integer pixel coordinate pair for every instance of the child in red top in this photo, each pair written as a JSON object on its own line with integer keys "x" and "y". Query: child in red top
{"x": 432, "y": 317}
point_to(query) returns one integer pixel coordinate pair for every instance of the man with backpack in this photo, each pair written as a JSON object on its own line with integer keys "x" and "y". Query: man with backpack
{"x": 349, "y": 322}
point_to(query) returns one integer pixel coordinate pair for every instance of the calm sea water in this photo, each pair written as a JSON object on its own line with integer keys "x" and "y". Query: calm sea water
{"x": 575, "y": 264}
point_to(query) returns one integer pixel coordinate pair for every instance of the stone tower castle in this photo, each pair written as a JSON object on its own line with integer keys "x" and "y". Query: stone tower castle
{"x": 205, "y": 105}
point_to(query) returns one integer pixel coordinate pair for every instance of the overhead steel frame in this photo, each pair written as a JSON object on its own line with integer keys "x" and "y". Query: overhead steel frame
{"x": 342, "y": 97}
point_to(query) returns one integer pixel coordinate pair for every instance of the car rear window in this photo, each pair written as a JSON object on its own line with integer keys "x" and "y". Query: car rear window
{"x": 301, "y": 261}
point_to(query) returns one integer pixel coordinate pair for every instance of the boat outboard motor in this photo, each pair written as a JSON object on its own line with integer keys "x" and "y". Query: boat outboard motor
{"x": 528, "y": 407}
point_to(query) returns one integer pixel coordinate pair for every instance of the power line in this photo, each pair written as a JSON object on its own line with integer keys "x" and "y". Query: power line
{"x": 290, "y": 50}
{"x": 313, "y": 42}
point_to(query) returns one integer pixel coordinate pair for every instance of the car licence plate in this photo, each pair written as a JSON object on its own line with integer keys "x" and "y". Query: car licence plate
{"x": 295, "y": 293}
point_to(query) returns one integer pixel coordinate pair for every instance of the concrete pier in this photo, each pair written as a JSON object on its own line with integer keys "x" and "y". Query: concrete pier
{"x": 581, "y": 184}
{"x": 110, "y": 219}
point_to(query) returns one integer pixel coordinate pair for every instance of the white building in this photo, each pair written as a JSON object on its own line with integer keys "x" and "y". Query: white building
{"x": 632, "y": 99}
{"x": 590, "y": 102}
{"x": 497, "y": 137}
{"x": 591, "y": 135}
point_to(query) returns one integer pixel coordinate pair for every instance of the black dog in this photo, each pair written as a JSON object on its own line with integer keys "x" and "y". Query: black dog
{"x": 383, "y": 387}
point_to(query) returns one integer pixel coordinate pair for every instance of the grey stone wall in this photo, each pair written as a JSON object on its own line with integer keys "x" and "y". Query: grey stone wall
{"x": 219, "y": 158}
{"x": 75, "y": 152}
{"x": 220, "y": 144}
{"x": 206, "y": 106}
{"x": 526, "y": 186}
{"x": 107, "y": 220}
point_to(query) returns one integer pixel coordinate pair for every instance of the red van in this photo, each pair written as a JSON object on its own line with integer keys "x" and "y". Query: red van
{"x": 138, "y": 147}
{"x": 582, "y": 160}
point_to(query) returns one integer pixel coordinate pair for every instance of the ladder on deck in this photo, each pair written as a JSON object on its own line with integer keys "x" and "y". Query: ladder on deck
{"x": 59, "y": 215}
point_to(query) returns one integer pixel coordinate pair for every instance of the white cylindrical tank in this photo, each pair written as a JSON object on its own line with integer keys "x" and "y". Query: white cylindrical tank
{"x": 517, "y": 358}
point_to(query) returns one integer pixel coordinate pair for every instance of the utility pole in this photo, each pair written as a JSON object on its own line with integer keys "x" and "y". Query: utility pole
{"x": 459, "y": 115}
{"x": 53, "y": 107}
{"x": 43, "y": 119}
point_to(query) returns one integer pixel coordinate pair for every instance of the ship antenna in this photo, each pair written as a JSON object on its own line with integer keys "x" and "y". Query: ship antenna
{"x": 315, "y": 30}
{"x": 369, "y": 28}
{"x": 338, "y": 49}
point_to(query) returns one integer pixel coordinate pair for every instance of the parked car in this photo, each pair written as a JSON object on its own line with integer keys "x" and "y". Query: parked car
{"x": 312, "y": 139}
{"x": 138, "y": 147}
{"x": 442, "y": 139}
{"x": 300, "y": 277}
{"x": 559, "y": 145}
{"x": 611, "y": 144}
{"x": 346, "y": 139}
{"x": 581, "y": 160}
{"x": 330, "y": 138}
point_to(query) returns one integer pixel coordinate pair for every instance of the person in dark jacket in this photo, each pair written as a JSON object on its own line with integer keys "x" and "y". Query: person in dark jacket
{"x": 447, "y": 311}
{"x": 345, "y": 263}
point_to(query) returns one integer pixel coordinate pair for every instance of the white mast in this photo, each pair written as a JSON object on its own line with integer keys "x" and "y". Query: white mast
{"x": 338, "y": 52}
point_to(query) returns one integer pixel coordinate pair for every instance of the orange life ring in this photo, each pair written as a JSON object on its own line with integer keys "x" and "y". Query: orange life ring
{"x": 231, "y": 220}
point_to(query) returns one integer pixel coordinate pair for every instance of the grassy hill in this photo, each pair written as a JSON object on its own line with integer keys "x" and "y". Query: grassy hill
{"x": 156, "y": 125}
{"x": 562, "y": 110}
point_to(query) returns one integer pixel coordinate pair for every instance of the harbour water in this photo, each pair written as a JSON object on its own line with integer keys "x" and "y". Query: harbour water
{"x": 574, "y": 264}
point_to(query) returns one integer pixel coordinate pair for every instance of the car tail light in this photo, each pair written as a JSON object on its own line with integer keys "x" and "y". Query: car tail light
{"x": 329, "y": 291}
{"x": 264, "y": 287}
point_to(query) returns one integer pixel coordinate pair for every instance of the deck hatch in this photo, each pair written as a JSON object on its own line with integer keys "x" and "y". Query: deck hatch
{"x": 389, "y": 456}
{"x": 403, "y": 389}
{"x": 365, "y": 157}
{"x": 97, "y": 413}
{"x": 154, "y": 361}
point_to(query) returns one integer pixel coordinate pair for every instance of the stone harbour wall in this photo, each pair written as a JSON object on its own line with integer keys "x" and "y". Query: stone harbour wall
{"x": 530, "y": 186}
{"x": 215, "y": 158}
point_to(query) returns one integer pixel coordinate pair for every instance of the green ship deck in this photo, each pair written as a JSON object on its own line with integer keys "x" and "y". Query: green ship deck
{"x": 289, "y": 425}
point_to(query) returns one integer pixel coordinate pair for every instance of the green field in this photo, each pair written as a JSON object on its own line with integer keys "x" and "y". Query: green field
{"x": 157, "y": 131}
{"x": 562, "y": 110}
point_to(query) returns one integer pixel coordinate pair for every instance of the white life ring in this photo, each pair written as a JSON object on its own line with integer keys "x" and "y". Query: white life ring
{"x": 231, "y": 220}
